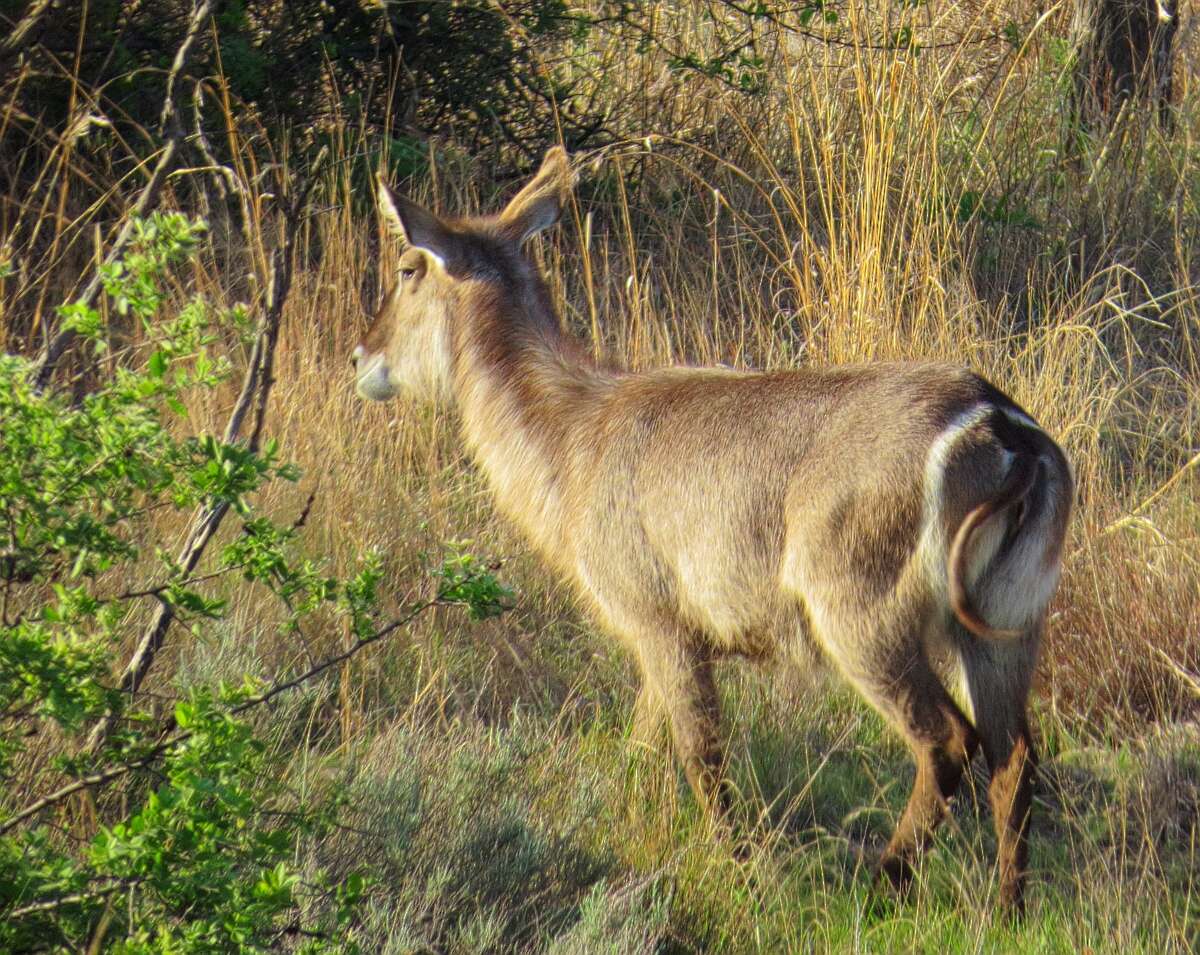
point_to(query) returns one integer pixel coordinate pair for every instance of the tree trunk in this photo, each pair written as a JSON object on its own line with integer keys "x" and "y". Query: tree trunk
{"x": 1128, "y": 55}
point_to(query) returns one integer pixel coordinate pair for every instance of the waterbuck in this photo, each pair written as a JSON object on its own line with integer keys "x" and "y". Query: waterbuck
{"x": 885, "y": 515}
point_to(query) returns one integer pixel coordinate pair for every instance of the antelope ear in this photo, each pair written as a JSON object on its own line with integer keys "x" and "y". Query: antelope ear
{"x": 539, "y": 204}
{"x": 414, "y": 224}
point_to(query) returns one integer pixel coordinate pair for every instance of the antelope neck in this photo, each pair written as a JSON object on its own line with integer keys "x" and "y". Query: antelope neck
{"x": 526, "y": 392}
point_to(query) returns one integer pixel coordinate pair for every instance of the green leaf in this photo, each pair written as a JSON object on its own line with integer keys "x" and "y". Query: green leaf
{"x": 157, "y": 365}
{"x": 183, "y": 714}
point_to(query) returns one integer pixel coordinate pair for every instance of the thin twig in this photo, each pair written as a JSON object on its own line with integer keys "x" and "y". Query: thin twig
{"x": 1183, "y": 674}
{"x": 115, "y": 772}
{"x": 49, "y": 905}
{"x": 154, "y": 590}
{"x": 1166, "y": 486}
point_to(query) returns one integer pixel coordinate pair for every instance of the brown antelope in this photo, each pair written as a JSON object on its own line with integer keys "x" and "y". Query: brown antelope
{"x": 886, "y": 515}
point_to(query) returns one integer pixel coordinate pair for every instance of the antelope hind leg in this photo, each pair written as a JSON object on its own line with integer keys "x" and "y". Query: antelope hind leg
{"x": 1011, "y": 796}
{"x": 942, "y": 741}
{"x": 998, "y": 676}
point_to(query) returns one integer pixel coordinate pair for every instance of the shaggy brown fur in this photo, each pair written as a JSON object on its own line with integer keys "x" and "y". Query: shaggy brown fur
{"x": 882, "y": 514}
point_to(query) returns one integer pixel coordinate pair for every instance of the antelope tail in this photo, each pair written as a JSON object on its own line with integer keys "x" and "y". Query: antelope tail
{"x": 1016, "y": 487}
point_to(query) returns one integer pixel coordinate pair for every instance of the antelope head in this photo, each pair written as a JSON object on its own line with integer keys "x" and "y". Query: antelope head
{"x": 409, "y": 346}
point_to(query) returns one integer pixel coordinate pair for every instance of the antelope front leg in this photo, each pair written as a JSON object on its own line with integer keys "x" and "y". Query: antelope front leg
{"x": 682, "y": 681}
{"x": 649, "y": 718}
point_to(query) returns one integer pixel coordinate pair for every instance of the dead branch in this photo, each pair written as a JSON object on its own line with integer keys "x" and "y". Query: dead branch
{"x": 256, "y": 389}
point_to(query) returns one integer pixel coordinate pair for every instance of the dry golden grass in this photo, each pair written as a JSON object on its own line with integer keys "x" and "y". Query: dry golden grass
{"x": 828, "y": 228}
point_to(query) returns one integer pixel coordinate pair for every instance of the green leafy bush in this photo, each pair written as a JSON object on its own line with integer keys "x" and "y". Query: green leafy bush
{"x": 120, "y": 827}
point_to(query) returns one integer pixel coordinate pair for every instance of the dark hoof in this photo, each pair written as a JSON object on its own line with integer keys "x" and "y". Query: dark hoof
{"x": 740, "y": 848}
{"x": 896, "y": 873}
